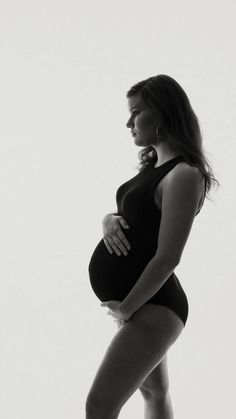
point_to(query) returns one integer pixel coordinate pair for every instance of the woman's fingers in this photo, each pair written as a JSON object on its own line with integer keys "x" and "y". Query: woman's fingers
{"x": 107, "y": 244}
{"x": 123, "y": 239}
{"x": 116, "y": 240}
{"x": 116, "y": 319}
{"x": 110, "y": 244}
{"x": 119, "y": 243}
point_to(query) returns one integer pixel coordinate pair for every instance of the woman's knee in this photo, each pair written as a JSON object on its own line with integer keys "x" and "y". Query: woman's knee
{"x": 156, "y": 385}
{"x": 98, "y": 408}
{"x": 153, "y": 390}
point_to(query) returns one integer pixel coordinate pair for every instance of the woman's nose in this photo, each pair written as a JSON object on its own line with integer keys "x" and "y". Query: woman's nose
{"x": 128, "y": 123}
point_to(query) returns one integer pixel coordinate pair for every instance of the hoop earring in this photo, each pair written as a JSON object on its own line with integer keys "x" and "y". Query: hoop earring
{"x": 157, "y": 133}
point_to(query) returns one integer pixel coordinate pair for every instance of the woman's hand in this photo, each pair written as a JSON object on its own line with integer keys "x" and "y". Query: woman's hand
{"x": 113, "y": 236}
{"x": 118, "y": 315}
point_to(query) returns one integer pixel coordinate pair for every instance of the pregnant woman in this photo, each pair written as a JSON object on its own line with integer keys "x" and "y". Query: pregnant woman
{"x": 132, "y": 268}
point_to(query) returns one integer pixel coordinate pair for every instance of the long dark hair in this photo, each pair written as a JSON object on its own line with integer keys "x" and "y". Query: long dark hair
{"x": 178, "y": 122}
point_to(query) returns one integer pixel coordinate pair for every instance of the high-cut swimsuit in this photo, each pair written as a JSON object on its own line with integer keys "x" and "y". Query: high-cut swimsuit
{"x": 112, "y": 276}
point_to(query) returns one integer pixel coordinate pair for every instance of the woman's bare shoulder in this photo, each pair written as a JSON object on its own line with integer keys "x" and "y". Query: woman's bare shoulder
{"x": 181, "y": 172}
{"x": 184, "y": 172}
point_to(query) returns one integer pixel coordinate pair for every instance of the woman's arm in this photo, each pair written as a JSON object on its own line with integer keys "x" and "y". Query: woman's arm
{"x": 180, "y": 198}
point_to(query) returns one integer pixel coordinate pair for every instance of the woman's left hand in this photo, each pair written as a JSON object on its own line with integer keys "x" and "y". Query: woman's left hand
{"x": 113, "y": 305}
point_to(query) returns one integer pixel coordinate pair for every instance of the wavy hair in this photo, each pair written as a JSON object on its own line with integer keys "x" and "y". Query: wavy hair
{"x": 178, "y": 123}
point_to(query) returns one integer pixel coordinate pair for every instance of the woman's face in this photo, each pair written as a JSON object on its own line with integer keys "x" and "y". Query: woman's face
{"x": 143, "y": 122}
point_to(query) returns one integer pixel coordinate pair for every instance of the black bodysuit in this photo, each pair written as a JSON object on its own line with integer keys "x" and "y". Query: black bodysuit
{"x": 112, "y": 276}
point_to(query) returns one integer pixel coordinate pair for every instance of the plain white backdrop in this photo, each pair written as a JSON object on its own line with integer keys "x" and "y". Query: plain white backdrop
{"x": 65, "y": 69}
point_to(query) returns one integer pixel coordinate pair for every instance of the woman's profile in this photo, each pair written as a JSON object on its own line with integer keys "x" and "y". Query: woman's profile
{"x": 131, "y": 270}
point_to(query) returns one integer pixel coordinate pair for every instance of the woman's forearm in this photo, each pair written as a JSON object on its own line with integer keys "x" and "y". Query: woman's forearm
{"x": 150, "y": 281}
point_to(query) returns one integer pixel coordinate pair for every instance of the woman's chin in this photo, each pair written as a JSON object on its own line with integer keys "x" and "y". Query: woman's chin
{"x": 138, "y": 141}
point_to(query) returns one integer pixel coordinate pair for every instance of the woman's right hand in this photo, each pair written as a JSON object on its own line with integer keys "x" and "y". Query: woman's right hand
{"x": 113, "y": 236}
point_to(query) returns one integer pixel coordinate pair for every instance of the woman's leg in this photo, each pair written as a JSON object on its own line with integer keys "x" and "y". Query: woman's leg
{"x": 136, "y": 349}
{"x": 155, "y": 391}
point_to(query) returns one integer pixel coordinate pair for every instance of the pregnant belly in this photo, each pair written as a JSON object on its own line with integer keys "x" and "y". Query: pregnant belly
{"x": 112, "y": 276}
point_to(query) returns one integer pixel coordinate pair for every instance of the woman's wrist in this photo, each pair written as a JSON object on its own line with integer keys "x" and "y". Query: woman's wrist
{"x": 124, "y": 313}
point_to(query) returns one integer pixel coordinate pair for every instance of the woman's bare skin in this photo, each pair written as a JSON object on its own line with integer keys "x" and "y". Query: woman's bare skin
{"x": 136, "y": 359}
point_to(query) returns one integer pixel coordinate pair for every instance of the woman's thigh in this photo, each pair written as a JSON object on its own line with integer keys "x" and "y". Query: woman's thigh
{"x": 135, "y": 350}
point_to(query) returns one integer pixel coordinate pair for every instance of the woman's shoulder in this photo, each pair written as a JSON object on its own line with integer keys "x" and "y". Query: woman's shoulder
{"x": 186, "y": 177}
{"x": 186, "y": 170}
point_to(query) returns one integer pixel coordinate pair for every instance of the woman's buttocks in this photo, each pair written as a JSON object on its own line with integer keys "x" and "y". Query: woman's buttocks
{"x": 112, "y": 276}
